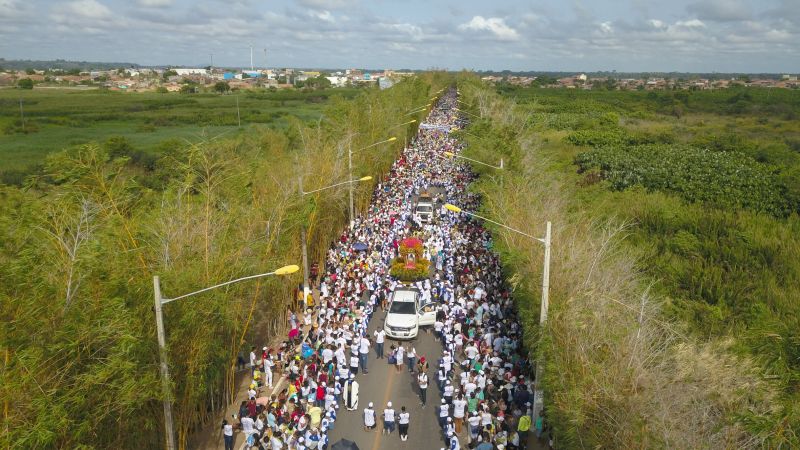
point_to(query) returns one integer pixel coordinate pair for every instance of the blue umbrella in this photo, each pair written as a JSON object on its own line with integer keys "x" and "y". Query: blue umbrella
{"x": 360, "y": 246}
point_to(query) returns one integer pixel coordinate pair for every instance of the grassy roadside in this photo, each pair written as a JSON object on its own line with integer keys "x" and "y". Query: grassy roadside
{"x": 636, "y": 356}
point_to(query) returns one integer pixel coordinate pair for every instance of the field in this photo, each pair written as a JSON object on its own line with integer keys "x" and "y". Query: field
{"x": 55, "y": 119}
{"x": 689, "y": 202}
{"x": 84, "y": 236}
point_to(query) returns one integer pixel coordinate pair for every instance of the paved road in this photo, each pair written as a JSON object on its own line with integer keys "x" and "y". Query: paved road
{"x": 383, "y": 384}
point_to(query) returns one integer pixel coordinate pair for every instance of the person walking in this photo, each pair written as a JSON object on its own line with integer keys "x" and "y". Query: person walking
{"x": 444, "y": 413}
{"x": 402, "y": 423}
{"x": 253, "y": 360}
{"x": 459, "y": 411}
{"x": 388, "y": 419}
{"x": 412, "y": 359}
{"x": 422, "y": 380}
{"x": 363, "y": 353}
{"x": 380, "y": 338}
{"x": 369, "y": 418}
{"x": 227, "y": 434}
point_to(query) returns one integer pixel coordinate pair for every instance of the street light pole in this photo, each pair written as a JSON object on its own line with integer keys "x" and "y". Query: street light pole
{"x": 162, "y": 353}
{"x": 538, "y": 392}
{"x": 169, "y": 425}
{"x": 350, "y": 176}
{"x": 303, "y": 246}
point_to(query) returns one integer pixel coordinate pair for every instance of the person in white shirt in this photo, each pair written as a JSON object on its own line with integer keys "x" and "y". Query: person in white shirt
{"x": 380, "y": 338}
{"x": 402, "y": 423}
{"x": 253, "y": 360}
{"x": 269, "y": 364}
{"x": 248, "y": 426}
{"x": 369, "y": 418}
{"x": 388, "y": 419}
{"x": 422, "y": 379}
{"x": 363, "y": 353}
{"x": 448, "y": 392}
{"x": 459, "y": 411}
{"x": 227, "y": 434}
{"x": 400, "y": 356}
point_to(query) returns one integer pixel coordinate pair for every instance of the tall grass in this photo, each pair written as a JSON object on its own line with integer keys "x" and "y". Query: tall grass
{"x": 618, "y": 372}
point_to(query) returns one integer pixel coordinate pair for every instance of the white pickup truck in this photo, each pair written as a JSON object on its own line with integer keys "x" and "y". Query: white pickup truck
{"x": 424, "y": 209}
{"x": 406, "y": 314}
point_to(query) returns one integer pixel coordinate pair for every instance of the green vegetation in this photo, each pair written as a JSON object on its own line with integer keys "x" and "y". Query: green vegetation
{"x": 56, "y": 119}
{"x": 675, "y": 313}
{"x": 79, "y": 246}
{"x": 722, "y": 179}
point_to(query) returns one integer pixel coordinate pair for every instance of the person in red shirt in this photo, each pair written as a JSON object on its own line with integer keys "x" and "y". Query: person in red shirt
{"x": 321, "y": 391}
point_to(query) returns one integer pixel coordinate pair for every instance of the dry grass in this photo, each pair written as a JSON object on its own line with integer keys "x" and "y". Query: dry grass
{"x": 617, "y": 374}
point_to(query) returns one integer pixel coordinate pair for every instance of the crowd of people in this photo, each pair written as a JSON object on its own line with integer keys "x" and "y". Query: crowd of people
{"x": 482, "y": 372}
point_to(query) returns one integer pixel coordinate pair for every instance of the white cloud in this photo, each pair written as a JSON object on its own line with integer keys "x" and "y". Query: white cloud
{"x": 606, "y": 27}
{"x": 324, "y": 16}
{"x": 494, "y": 25}
{"x": 154, "y": 3}
{"x": 327, "y": 4}
{"x": 692, "y": 23}
{"x": 89, "y": 9}
{"x": 655, "y": 23}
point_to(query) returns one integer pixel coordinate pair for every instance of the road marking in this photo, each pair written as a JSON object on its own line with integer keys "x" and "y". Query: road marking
{"x": 377, "y": 441}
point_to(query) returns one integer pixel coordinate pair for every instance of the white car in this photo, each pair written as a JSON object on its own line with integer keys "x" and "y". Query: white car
{"x": 406, "y": 315}
{"x": 424, "y": 209}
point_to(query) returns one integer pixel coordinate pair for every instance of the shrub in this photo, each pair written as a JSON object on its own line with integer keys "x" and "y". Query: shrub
{"x": 723, "y": 179}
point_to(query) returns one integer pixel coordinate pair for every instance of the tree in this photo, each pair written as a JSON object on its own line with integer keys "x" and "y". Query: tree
{"x": 25, "y": 83}
{"x": 30, "y": 71}
{"x": 222, "y": 87}
{"x": 188, "y": 88}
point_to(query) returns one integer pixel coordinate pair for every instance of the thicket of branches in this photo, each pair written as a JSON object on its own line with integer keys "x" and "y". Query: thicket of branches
{"x": 79, "y": 247}
{"x": 617, "y": 374}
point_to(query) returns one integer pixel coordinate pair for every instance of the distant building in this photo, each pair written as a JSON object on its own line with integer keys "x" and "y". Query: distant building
{"x": 190, "y": 71}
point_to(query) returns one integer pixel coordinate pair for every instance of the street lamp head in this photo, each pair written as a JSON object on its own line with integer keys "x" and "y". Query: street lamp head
{"x": 286, "y": 270}
{"x": 366, "y": 178}
{"x": 451, "y": 207}
{"x": 413, "y": 121}
{"x": 391, "y": 139}
{"x": 449, "y": 154}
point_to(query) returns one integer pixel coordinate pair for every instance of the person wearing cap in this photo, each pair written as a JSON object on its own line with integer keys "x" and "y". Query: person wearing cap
{"x": 351, "y": 393}
{"x": 474, "y": 422}
{"x": 444, "y": 413}
{"x": 369, "y": 418}
{"x": 388, "y": 419}
{"x": 448, "y": 392}
{"x": 452, "y": 440}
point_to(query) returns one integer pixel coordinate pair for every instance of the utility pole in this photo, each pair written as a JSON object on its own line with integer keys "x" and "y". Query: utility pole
{"x": 21, "y": 115}
{"x": 538, "y": 392}
{"x": 251, "y": 58}
{"x": 238, "y": 116}
{"x": 350, "y": 176}
{"x": 162, "y": 353}
{"x": 303, "y": 245}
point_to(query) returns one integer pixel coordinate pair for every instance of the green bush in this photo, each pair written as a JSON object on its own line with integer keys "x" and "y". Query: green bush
{"x": 722, "y": 179}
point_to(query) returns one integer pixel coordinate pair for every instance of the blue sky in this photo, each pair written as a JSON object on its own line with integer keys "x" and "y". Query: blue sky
{"x": 622, "y": 35}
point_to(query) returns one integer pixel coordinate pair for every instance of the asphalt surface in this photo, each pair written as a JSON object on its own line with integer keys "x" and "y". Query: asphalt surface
{"x": 383, "y": 384}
